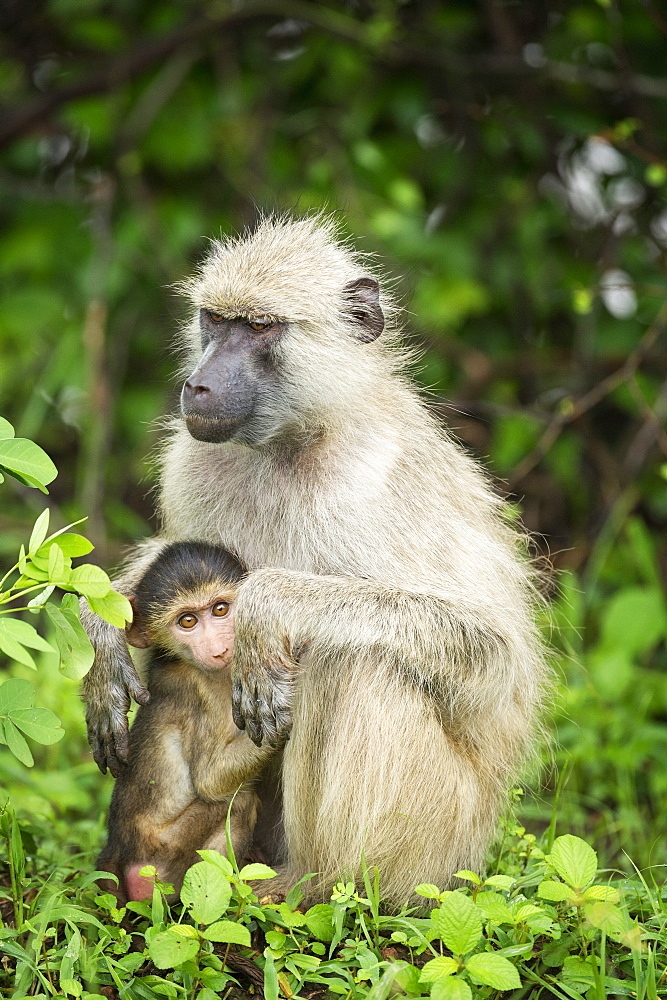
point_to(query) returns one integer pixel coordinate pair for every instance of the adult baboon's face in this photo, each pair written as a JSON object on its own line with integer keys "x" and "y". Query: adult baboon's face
{"x": 220, "y": 398}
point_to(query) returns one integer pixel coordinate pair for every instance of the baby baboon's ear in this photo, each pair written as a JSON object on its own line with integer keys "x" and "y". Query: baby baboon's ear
{"x": 135, "y": 632}
{"x": 363, "y": 308}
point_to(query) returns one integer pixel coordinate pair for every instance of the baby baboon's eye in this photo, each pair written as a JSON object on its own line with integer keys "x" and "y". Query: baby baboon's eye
{"x": 220, "y": 609}
{"x": 187, "y": 621}
{"x": 259, "y": 323}
{"x": 216, "y": 317}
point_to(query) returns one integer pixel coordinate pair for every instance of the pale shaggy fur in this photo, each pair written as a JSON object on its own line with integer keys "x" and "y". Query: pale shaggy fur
{"x": 374, "y": 539}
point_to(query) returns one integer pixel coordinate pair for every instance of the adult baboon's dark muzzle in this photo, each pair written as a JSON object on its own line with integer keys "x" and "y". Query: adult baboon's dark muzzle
{"x": 220, "y": 395}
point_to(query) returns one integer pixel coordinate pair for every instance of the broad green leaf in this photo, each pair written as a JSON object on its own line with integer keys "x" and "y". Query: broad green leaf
{"x": 319, "y": 921}
{"x": 500, "y": 881}
{"x": 469, "y": 876}
{"x": 384, "y": 986}
{"x": 58, "y": 570}
{"x": 257, "y": 871}
{"x": 437, "y": 968}
{"x": 17, "y": 744}
{"x": 6, "y": 429}
{"x": 494, "y": 908}
{"x": 89, "y": 580}
{"x": 525, "y": 910}
{"x": 556, "y": 892}
{"x": 458, "y": 923}
{"x": 228, "y": 932}
{"x": 206, "y": 892}
{"x": 76, "y": 651}
{"x": 429, "y": 890}
{"x": 39, "y": 724}
{"x": 574, "y": 860}
{"x": 18, "y": 455}
{"x": 15, "y": 650}
{"x": 24, "y": 633}
{"x": 610, "y": 919}
{"x": 39, "y": 531}
{"x": 71, "y": 987}
{"x": 113, "y": 607}
{"x": 217, "y": 859}
{"x": 493, "y": 970}
{"x": 291, "y": 918}
{"x": 169, "y": 950}
{"x": 451, "y": 988}
{"x": 71, "y": 544}
{"x": 16, "y": 693}
{"x": 601, "y": 893}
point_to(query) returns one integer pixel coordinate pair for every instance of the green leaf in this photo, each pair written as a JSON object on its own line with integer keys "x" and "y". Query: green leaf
{"x": 601, "y": 893}
{"x": 39, "y": 724}
{"x": 429, "y": 890}
{"x": 229, "y": 932}
{"x": 206, "y": 892}
{"x": 169, "y": 950}
{"x": 90, "y": 580}
{"x": 556, "y": 892}
{"x": 217, "y": 859}
{"x": 76, "y": 651}
{"x": 319, "y": 921}
{"x": 468, "y": 876}
{"x": 500, "y": 881}
{"x": 437, "y": 968}
{"x": 58, "y": 570}
{"x": 15, "y": 650}
{"x": 458, "y": 923}
{"x": 24, "y": 633}
{"x": 72, "y": 987}
{"x": 113, "y": 607}
{"x": 257, "y": 871}
{"x": 39, "y": 531}
{"x": 72, "y": 545}
{"x": 271, "y": 985}
{"x": 17, "y": 744}
{"x": 40, "y": 599}
{"x": 452, "y": 988}
{"x": 494, "y": 908}
{"x": 574, "y": 860}
{"x": 6, "y": 429}
{"x": 25, "y": 460}
{"x": 16, "y": 693}
{"x": 493, "y": 970}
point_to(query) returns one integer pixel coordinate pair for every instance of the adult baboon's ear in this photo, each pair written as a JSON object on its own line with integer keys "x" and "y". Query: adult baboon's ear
{"x": 363, "y": 308}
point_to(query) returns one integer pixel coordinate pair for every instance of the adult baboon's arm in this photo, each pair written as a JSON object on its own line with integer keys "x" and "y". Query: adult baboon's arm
{"x": 439, "y": 645}
{"x": 112, "y": 681}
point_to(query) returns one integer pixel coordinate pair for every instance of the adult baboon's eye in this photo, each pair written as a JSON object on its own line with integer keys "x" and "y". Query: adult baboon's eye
{"x": 220, "y": 609}
{"x": 216, "y": 317}
{"x": 261, "y": 323}
{"x": 187, "y": 621}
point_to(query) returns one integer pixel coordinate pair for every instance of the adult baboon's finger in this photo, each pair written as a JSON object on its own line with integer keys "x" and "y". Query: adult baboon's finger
{"x": 237, "y": 698}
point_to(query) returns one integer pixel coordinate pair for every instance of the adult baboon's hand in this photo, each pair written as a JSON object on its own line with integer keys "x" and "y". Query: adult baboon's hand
{"x": 263, "y": 669}
{"x": 107, "y": 690}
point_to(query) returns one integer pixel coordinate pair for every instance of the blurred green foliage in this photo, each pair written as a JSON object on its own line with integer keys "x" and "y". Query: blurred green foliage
{"x": 506, "y": 161}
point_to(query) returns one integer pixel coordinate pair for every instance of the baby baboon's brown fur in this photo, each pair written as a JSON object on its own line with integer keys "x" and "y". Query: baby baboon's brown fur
{"x": 381, "y": 568}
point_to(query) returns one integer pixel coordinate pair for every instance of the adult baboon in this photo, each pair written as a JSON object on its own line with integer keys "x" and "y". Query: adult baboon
{"x": 385, "y": 583}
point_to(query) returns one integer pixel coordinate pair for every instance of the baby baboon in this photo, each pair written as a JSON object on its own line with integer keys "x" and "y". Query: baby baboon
{"x": 379, "y": 560}
{"x": 187, "y": 756}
